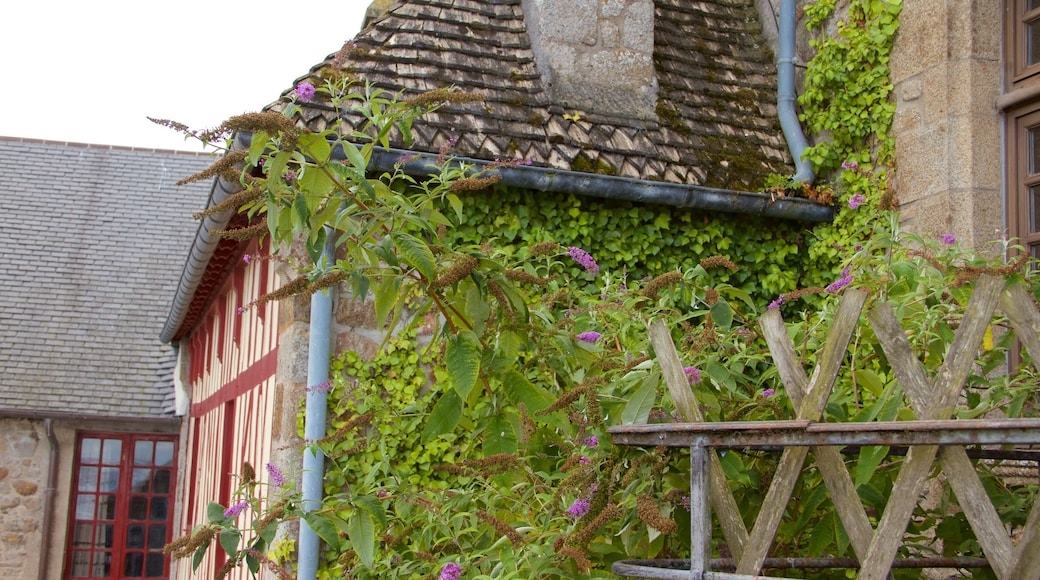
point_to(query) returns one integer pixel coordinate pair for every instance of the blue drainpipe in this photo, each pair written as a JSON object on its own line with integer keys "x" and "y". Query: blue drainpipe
{"x": 314, "y": 420}
{"x": 785, "y": 96}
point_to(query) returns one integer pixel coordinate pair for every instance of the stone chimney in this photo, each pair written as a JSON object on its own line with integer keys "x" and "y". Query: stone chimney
{"x": 596, "y": 55}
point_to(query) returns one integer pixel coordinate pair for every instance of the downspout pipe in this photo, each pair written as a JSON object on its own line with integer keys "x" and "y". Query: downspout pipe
{"x": 785, "y": 96}
{"x": 48, "y": 499}
{"x": 313, "y": 477}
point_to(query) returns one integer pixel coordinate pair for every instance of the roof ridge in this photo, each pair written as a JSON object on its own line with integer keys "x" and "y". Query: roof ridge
{"x": 104, "y": 147}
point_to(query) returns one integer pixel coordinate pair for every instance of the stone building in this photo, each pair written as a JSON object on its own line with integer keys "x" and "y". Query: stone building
{"x": 90, "y": 250}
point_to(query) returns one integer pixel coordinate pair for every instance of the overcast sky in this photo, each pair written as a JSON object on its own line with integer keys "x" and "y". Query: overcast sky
{"x": 91, "y": 71}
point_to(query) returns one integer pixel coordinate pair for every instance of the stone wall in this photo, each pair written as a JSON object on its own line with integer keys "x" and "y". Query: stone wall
{"x": 23, "y": 480}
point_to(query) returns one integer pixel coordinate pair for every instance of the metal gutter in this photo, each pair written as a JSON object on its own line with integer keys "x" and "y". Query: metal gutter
{"x": 65, "y": 415}
{"x": 785, "y": 93}
{"x": 315, "y": 407}
{"x": 48, "y": 499}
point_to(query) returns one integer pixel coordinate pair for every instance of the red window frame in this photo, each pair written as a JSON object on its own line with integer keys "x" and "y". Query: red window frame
{"x": 122, "y": 503}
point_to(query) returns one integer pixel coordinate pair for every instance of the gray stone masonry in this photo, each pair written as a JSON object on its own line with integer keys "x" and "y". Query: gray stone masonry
{"x": 23, "y": 479}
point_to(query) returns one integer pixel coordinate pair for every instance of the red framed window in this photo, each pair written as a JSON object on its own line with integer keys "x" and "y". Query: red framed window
{"x": 122, "y": 505}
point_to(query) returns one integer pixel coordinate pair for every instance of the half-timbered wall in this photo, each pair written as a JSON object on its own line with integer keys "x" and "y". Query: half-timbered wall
{"x": 233, "y": 363}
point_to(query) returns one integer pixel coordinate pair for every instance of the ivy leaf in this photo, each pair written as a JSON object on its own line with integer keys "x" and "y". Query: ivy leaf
{"x": 444, "y": 417}
{"x": 362, "y": 533}
{"x": 462, "y": 359}
{"x": 415, "y": 253}
{"x": 637, "y": 411}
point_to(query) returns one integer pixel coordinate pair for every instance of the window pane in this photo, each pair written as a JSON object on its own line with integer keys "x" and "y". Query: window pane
{"x": 156, "y": 564}
{"x": 135, "y": 536}
{"x": 106, "y": 507}
{"x": 109, "y": 479}
{"x": 81, "y": 563}
{"x": 1034, "y": 150}
{"x": 141, "y": 477}
{"x": 82, "y": 535}
{"x": 139, "y": 507}
{"x": 90, "y": 451}
{"x": 164, "y": 449}
{"x": 161, "y": 481}
{"x": 134, "y": 565}
{"x": 1032, "y": 5}
{"x": 143, "y": 453}
{"x": 159, "y": 510}
{"x": 1034, "y": 209}
{"x": 1032, "y": 42}
{"x": 112, "y": 451}
{"x": 156, "y": 537}
{"x": 85, "y": 507}
{"x": 102, "y": 564}
{"x": 103, "y": 536}
{"x": 88, "y": 479}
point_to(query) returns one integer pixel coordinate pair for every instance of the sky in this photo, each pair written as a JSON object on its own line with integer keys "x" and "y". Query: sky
{"x": 93, "y": 71}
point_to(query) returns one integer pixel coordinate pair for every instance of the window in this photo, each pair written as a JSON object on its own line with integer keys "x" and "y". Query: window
{"x": 1021, "y": 105}
{"x": 122, "y": 506}
{"x": 1022, "y": 39}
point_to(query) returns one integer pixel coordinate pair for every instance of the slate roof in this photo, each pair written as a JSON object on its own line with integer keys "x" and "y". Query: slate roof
{"x": 91, "y": 247}
{"x": 716, "y": 122}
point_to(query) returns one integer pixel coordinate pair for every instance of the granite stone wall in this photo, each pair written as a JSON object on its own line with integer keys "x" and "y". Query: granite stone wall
{"x": 23, "y": 480}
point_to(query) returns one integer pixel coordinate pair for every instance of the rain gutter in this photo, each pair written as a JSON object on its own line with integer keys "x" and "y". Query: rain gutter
{"x": 785, "y": 94}
{"x": 48, "y": 499}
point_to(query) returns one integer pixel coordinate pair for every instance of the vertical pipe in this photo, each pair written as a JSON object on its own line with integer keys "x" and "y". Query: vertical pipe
{"x": 48, "y": 499}
{"x": 314, "y": 420}
{"x": 785, "y": 94}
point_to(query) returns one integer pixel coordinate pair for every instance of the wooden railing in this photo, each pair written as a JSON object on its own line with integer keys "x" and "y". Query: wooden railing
{"x": 933, "y": 436}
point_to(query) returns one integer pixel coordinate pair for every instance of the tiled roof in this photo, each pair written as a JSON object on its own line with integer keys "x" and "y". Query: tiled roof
{"x": 92, "y": 245}
{"x": 716, "y": 123}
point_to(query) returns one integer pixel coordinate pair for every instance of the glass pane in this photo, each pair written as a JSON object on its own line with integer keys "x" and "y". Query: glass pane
{"x": 143, "y": 453}
{"x": 106, "y": 507}
{"x": 159, "y": 510}
{"x": 1034, "y": 150}
{"x": 141, "y": 477}
{"x": 102, "y": 564}
{"x": 82, "y": 535}
{"x": 164, "y": 449}
{"x": 138, "y": 508}
{"x": 134, "y": 565}
{"x": 111, "y": 452}
{"x": 90, "y": 451}
{"x": 1034, "y": 208}
{"x": 103, "y": 536}
{"x": 81, "y": 564}
{"x": 85, "y": 507}
{"x": 156, "y": 537}
{"x": 135, "y": 536}
{"x": 1032, "y": 42}
{"x": 1032, "y": 5}
{"x": 161, "y": 481}
{"x": 109, "y": 479}
{"x": 88, "y": 478}
{"x": 156, "y": 564}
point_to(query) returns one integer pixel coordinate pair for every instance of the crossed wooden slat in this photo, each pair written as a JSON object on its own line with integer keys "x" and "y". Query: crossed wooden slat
{"x": 875, "y": 549}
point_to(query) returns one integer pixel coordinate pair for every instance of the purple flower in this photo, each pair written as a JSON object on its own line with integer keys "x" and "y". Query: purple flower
{"x": 246, "y": 258}
{"x": 590, "y": 441}
{"x": 686, "y": 502}
{"x": 849, "y": 165}
{"x": 692, "y": 374}
{"x": 856, "y": 200}
{"x": 583, "y": 460}
{"x": 768, "y": 393}
{"x": 840, "y": 283}
{"x": 241, "y": 309}
{"x": 305, "y": 91}
{"x": 776, "y": 303}
{"x": 325, "y": 387}
{"x": 451, "y": 571}
{"x": 289, "y": 175}
{"x": 949, "y": 239}
{"x": 579, "y": 508}
{"x": 590, "y": 336}
{"x": 236, "y": 509}
{"x": 584, "y": 259}
{"x": 277, "y": 478}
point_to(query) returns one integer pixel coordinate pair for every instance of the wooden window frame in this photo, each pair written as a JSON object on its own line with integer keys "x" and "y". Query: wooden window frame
{"x": 110, "y": 480}
{"x": 1017, "y": 15}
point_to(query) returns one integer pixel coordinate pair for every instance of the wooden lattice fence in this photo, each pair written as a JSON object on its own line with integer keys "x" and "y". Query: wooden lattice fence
{"x": 934, "y": 435}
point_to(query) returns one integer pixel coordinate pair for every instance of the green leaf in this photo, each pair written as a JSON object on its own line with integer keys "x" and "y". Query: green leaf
{"x": 362, "y": 533}
{"x": 373, "y": 506}
{"x": 637, "y": 411}
{"x": 315, "y": 146}
{"x": 500, "y": 438}
{"x": 462, "y": 359}
{"x": 520, "y": 390}
{"x": 323, "y": 528}
{"x": 869, "y": 380}
{"x": 386, "y": 296}
{"x": 354, "y": 157}
{"x": 253, "y": 563}
{"x": 415, "y": 253}
{"x": 196, "y": 559}
{"x": 215, "y": 513}
{"x": 722, "y": 314}
{"x": 229, "y": 540}
{"x": 869, "y": 459}
{"x": 444, "y": 417}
